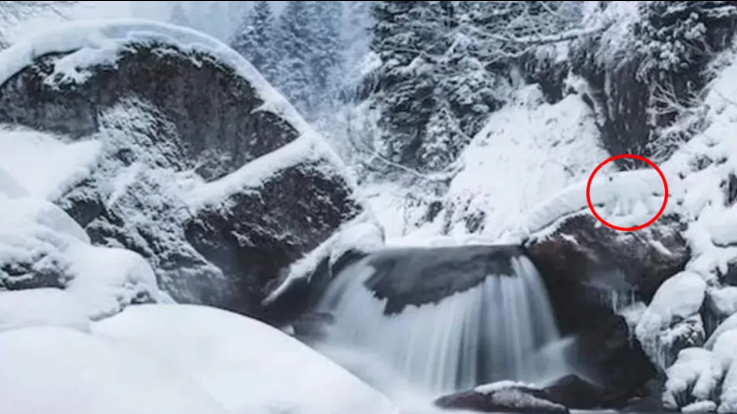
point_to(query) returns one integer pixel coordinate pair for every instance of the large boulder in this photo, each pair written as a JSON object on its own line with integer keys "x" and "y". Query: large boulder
{"x": 591, "y": 272}
{"x": 203, "y": 168}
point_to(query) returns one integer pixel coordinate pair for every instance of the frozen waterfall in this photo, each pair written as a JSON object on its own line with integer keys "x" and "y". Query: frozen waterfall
{"x": 500, "y": 328}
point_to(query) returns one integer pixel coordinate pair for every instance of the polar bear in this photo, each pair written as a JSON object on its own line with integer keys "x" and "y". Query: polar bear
{"x": 622, "y": 196}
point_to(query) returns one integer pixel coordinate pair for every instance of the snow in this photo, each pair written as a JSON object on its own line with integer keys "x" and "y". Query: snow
{"x": 108, "y": 279}
{"x": 723, "y": 301}
{"x": 725, "y": 349}
{"x": 726, "y": 326}
{"x": 101, "y": 42}
{"x": 678, "y": 299}
{"x": 41, "y": 307}
{"x": 500, "y": 385}
{"x": 544, "y": 147}
{"x": 9, "y": 187}
{"x": 41, "y": 236}
{"x": 695, "y": 375}
{"x": 44, "y": 164}
{"x": 56, "y": 370}
{"x": 247, "y": 366}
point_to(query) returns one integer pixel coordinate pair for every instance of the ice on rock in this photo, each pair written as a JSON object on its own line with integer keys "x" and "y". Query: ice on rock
{"x": 63, "y": 371}
{"x": 246, "y": 365}
{"x": 41, "y": 307}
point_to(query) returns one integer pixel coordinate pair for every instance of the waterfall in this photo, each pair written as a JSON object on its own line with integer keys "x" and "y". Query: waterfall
{"x": 500, "y": 328}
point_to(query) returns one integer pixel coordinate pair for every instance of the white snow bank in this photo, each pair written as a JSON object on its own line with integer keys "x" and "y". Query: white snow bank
{"x": 30, "y": 215}
{"x": 247, "y": 366}
{"x": 9, "y": 187}
{"x": 108, "y": 279}
{"x": 41, "y": 307}
{"x": 101, "y": 42}
{"x": 55, "y": 370}
{"x": 678, "y": 299}
{"x": 44, "y": 164}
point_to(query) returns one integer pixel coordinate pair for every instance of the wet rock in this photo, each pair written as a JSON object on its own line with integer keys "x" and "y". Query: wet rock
{"x": 591, "y": 271}
{"x": 502, "y": 397}
{"x": 415, "y": 276}
{"x": 577, "y": 393}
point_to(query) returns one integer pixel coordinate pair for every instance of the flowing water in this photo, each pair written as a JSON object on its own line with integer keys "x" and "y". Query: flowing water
{"x": 502, "y": 328}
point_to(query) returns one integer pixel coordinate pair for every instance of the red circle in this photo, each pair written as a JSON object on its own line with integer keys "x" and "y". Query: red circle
{"x": 637, "y": 157}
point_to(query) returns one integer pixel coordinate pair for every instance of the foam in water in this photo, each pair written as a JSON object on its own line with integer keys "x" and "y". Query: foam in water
{"x": 500, "y": 329}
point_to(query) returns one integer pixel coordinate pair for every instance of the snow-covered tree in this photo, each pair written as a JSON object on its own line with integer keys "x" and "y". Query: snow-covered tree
{"x": 453, "y": 57}
{"x": 256, "y": 40}
{"x": 325, "y": 57}
{"x": 294, "y": 45}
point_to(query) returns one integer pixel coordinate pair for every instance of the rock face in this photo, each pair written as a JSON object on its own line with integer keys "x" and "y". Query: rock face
{"x": 587, "y": 267}
{"x": 205, "y": 170}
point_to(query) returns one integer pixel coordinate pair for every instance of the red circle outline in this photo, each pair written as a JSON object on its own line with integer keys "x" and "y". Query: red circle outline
{"x": 637, "y": 157}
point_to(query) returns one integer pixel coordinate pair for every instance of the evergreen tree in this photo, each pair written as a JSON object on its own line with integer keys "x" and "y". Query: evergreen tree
{"x": 325, "y": 58}
{"x": 295, "y": 40}
{"x": 256, "y": 40}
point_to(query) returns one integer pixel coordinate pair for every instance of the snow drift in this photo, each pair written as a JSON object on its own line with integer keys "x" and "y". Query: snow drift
{"x": 247, "y": 366}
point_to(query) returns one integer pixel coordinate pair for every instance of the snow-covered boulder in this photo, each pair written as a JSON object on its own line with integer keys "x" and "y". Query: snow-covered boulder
{"x": 201, "y": 166}
{"x": 58, "y": 370}
{"x": 245, "y": 365}
{"x": 672, "y": 321}
{"x": 704, "y": 380}
{"x": 592, "y": 271}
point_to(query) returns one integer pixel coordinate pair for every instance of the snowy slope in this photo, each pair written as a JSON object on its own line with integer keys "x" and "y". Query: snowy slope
{"x": 57, "y": 370}
{"x": 247, "y": 366}
{"x": 528, "y": 151}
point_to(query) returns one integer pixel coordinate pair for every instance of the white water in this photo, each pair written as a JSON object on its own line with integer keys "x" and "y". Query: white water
{"x": 501, "y": 329}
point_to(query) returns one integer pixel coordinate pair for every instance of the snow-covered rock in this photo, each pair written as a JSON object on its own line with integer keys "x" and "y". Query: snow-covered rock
{"x": 592, "y": 273}
{"x": 245, "y": 365}
{"x": 58, "y": 370}
{"x": 171, "y": 145}
{"x": 42, "y": 247}
{"x": 502, "y": 397}
{"x": 672, "y": 320}
{"x": 705, "y": 379}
